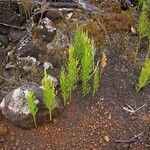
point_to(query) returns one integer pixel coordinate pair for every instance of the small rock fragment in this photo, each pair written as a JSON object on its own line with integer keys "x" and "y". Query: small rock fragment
{"x": 107, "y": 139}
{"x": 48, "y": 65}
{"x": 42, "y": 34}
{"x": 133, "y": 31}
{"x": 3, "y": 41}
{"x": 146, "y": 118}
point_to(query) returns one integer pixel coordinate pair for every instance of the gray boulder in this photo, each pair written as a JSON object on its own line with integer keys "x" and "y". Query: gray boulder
{"x": 14, "y": 106}
{"x": 26, "y": 48}
{"x": 43, "y": 33}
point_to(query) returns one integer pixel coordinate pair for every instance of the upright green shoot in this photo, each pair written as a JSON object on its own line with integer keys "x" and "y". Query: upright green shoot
{"x": 72, "y": 68}
{"x": 64, "y": 85}
{"x": 86, "y": 70}
{"x": 144, "y": 23}
{"x": 81, "y": 42}
{"x": 68, "y": 78}
{"x": 84, "y": 52}
{"x": 48, "y": 94}
{"x": 140, "y": 3}
{"x": 31, "y": 103}
{"x": 144, "y": 76}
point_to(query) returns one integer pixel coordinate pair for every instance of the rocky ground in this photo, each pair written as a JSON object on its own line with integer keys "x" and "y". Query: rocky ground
{"x": 98, "y": 123}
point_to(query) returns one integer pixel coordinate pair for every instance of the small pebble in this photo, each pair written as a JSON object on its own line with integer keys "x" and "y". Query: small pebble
{"x": 107, "y": 139}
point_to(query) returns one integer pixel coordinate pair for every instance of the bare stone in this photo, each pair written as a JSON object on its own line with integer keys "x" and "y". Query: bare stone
{"x": 43, "y": 33}
{"x": 27, "y": 48}
{"x": 3, "y": 41}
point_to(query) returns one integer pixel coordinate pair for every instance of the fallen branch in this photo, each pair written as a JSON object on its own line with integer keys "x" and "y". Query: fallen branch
{"x": 130, "y": 140}
{"x": 78, "y": 4}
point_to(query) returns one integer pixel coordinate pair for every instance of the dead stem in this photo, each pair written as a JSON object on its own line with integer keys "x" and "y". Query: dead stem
{"x": 131, "y": 110}
{"x": 130, "y": 140}
{"x": 12, "y": 26}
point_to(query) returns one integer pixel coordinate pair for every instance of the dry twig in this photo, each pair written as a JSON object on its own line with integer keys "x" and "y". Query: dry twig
{"x": 131, "y": 110}
{"x": 12, "y": 26}
{"x": 130, "y": 140}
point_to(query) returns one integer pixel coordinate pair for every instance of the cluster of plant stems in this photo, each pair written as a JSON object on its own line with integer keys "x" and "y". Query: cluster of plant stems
{"x": 49, "y": 94}
{"x": 80, "y": 66}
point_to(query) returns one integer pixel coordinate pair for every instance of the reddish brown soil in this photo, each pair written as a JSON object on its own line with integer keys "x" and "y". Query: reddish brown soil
{"x": 91, "y": 123}
{"x": 86, "y": 123}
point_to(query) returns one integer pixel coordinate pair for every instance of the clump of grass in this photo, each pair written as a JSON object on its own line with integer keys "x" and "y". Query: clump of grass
{"x": 144, "y": 76}
{"x": 69, "y": 77}
{"x": 49, "y": 94}
{"x": 31, "y": 103}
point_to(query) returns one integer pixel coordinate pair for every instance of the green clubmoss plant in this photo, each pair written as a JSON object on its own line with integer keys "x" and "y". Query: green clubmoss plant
{"x": 86, "y": 70}
{"x": 64, "y": 85}
{"x": 84, "y": 52}
{"x": 144, "y": 76}
{"x": 81, "y": 42}
{"x": 49, "y": 94}
{"x": 68, "y": 78}
{"x": 72, "y": 68}
{"x": 31, "y": 103}
{"x": 140, "y": 3}
{"x": 144, "y": 24}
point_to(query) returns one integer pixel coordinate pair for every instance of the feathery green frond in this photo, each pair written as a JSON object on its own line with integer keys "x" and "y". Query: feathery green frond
{"x": 31, "y": 103}
{"x": 68, "y": 78}
{"x": 72, "y": 68}
{"x": 80, "y": 43}
{"x": 64, "y": 84}
{"x": 84, "y": 52}
{"x": 144, "y": 24}
{"x": 140, "y": 3}
{"x": 48, "y": 93}
{"x": 86, "y": 70}
{"x": 144, "y": 76}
